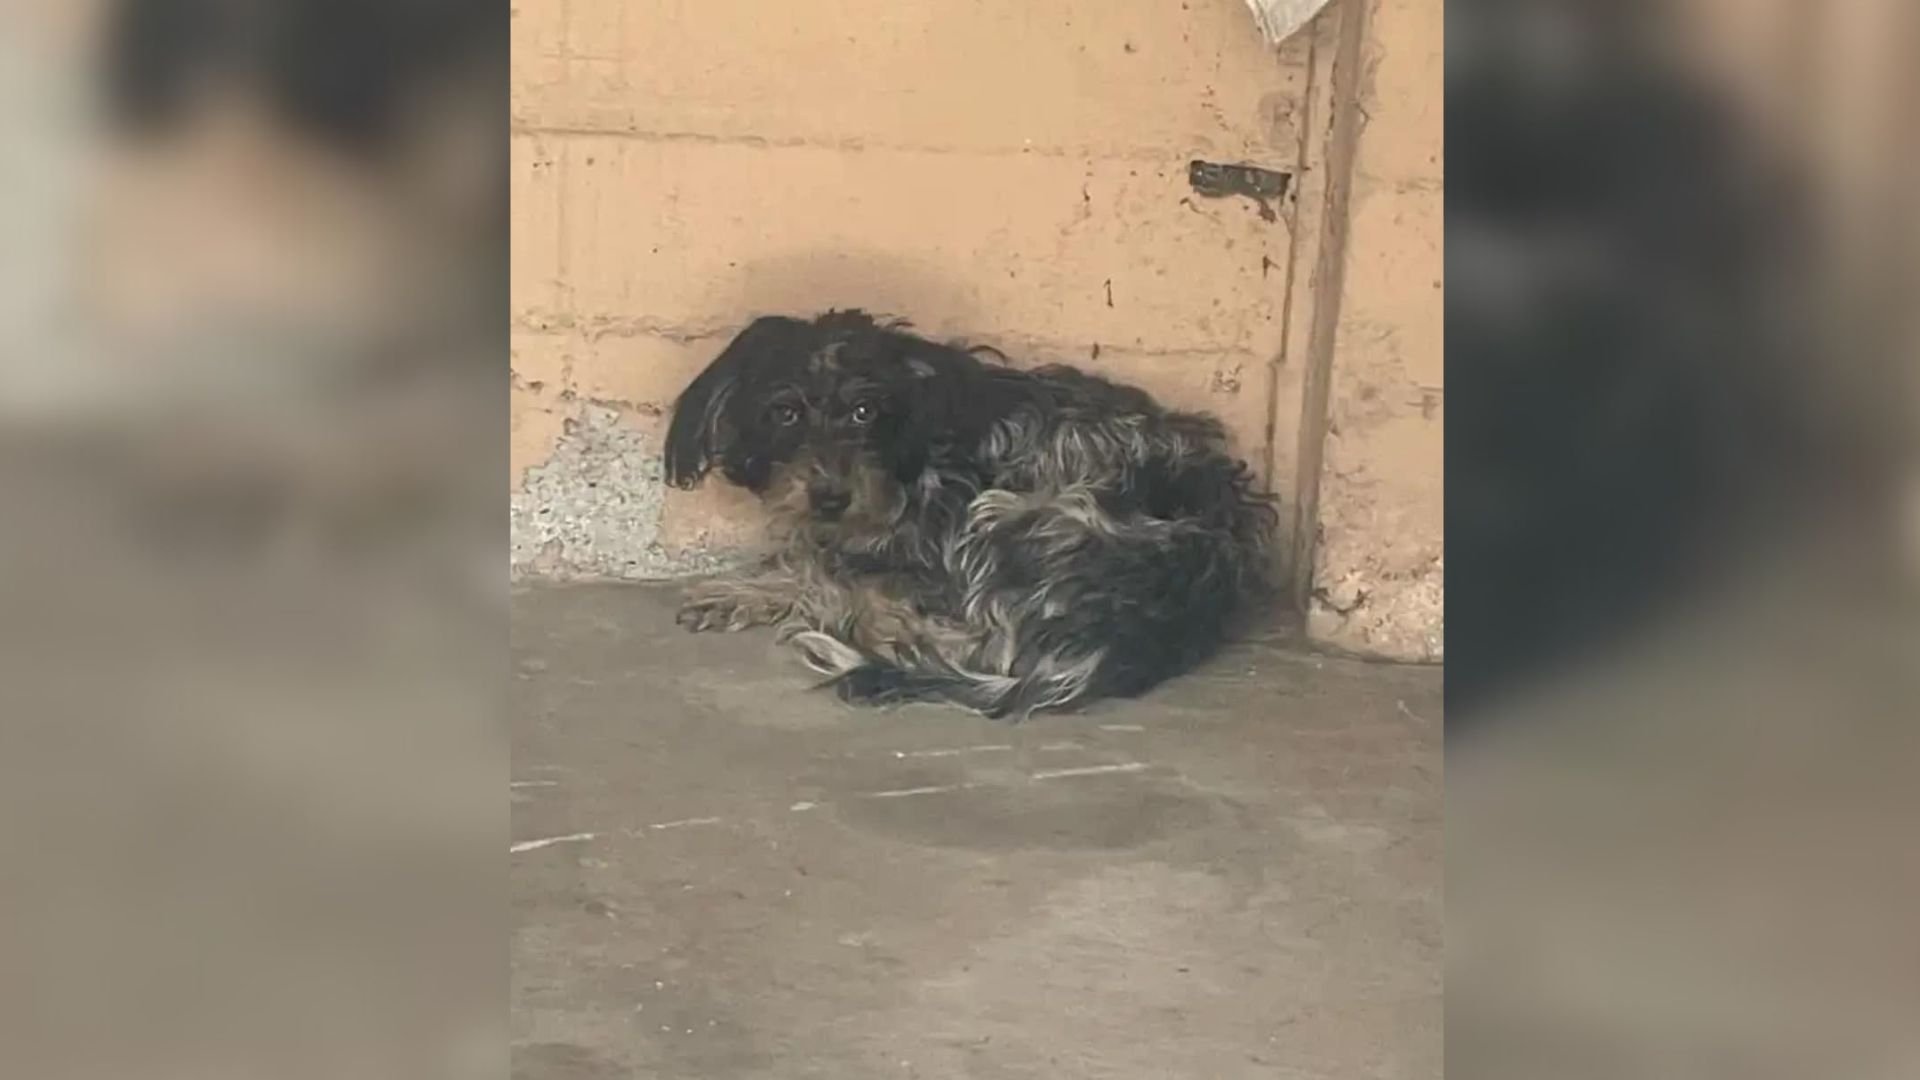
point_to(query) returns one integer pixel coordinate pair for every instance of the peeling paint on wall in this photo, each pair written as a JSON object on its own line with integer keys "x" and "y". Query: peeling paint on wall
{"x": 594, "y": 509}
{"x": 1380, "y": 610}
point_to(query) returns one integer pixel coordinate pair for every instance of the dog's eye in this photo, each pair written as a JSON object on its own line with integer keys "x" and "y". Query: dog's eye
{"x": 863, "y": 412}
{"x": 785, "y": 415}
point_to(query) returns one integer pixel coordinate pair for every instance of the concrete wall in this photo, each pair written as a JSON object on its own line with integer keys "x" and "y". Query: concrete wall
{"x": 1379, "y": 571}
{"x": 1014, "y": 173}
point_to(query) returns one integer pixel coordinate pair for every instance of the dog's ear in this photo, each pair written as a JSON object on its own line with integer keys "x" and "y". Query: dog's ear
{"x": 955, "y": 395}
{"x": 935, "y": 385}
{"x": 700, "y": 432}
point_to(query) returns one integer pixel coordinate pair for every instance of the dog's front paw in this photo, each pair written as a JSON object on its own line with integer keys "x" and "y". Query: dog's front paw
{"x": 727, "y": 607}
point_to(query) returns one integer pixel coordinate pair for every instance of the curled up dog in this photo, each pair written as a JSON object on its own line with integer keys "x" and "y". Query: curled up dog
{"x": 955, "y": 529}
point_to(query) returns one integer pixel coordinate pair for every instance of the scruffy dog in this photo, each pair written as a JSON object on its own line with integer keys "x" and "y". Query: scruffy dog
{"x": 959, "y": 530}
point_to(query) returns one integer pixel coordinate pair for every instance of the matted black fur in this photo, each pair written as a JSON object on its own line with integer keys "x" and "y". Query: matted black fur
{"x": 957, "y": 529}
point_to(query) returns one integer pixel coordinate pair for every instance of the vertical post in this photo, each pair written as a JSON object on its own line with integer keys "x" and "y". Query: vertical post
{"x": 1327, "y": 285}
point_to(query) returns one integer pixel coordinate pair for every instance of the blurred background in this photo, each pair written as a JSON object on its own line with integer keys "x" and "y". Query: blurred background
{"x": 1683, "y": 515}
{"x": 252, "y": 621}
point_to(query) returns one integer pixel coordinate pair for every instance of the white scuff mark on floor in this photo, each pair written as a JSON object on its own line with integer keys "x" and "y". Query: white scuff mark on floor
{"x": 1090, "y": 770}
{"x": 802, "y": 806}
{"x": 1123, "y": 727}
{"x": 530, "y": 845}
{"x": 1056, "y": 747}
{"x": 685, "y": 822}
{"x": 532, "y": 783}
{"x": 901, "y": 793}
{"x": 952, "y": 751}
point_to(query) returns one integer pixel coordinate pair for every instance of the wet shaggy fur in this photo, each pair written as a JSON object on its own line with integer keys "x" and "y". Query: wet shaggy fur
{"x": 959, "y": 530}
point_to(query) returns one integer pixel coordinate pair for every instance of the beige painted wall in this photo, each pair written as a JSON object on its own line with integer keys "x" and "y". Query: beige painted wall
{"x": 1013, "y": 173}
{"x": 1379, "y": 571}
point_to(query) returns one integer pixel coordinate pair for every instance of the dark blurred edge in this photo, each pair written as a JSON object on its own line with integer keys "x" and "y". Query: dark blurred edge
{"x": 1650, "y": 386}
{"x": 1684, "y": 543}
{"x": 252, "y": 568}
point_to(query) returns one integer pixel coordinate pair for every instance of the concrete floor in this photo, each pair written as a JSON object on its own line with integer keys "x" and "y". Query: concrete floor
{"x": 1238, "y": 877}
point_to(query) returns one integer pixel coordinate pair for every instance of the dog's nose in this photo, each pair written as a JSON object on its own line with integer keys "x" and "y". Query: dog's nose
{"x": 829, "y": 502}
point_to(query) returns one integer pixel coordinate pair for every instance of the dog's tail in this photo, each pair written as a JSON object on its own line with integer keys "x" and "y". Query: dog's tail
{"x": 922, "y": 673}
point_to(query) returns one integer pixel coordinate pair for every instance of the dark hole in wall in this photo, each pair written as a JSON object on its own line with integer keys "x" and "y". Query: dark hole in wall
{"x": 1216, "y": 181}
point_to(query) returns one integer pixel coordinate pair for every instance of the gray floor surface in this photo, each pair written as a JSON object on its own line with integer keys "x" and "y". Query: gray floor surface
{"x": 719, "y": 873}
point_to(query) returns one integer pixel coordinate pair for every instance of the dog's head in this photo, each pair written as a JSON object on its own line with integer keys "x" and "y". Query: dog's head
{"x": 829, "y": 421}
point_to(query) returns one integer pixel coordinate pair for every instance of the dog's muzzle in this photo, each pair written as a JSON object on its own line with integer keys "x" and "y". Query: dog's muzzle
{"x": 828, "y": 502}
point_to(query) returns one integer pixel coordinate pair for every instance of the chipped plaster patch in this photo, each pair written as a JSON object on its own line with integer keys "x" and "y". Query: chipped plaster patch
{"x": 593, "y": 509}
{"x": 1373, "y": 610}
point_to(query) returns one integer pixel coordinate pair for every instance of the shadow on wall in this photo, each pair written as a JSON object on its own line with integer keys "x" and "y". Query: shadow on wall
{"x": 597, "y": 506}
{"x": 932, "y": 297}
